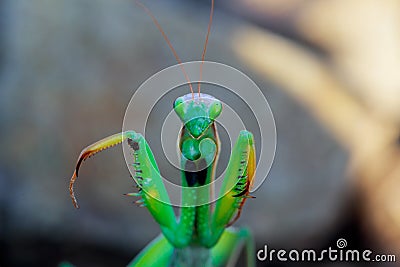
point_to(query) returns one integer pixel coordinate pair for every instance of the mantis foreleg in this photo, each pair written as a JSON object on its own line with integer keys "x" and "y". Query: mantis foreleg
{"x": 152, "y": 189}
{"x": 237, "y": 183}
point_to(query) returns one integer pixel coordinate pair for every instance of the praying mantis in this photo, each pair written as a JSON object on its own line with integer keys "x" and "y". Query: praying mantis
{"x": 201, "y": 235}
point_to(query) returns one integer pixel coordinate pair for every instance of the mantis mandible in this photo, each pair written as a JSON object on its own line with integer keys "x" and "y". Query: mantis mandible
{"x": 200, "y": 235}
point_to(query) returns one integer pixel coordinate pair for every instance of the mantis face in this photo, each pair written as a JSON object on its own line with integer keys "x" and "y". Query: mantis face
{"x": 197, "y": 113}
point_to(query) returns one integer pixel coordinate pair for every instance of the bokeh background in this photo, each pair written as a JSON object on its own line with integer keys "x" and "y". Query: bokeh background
{"x": 329, "y": 69}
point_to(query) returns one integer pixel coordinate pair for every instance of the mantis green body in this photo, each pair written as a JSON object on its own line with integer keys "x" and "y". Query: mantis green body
{"x": 199, "y": 236}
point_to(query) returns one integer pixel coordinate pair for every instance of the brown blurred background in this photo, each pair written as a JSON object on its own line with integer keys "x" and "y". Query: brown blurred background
{"x": 329, "y": 69}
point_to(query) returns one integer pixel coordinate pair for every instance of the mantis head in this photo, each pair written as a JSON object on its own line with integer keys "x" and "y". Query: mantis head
{"x": 197, "y": 112}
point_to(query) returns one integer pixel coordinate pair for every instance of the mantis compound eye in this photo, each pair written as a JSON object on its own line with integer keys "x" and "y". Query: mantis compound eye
{"x": 215, "y": 109}
{"x": 179, "y": 107}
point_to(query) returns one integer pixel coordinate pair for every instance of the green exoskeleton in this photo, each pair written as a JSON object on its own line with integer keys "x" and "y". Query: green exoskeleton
{"x": 201, "y": 234}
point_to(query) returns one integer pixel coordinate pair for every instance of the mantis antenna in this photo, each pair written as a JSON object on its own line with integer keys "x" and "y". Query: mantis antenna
{"x": 168, "y": 42}
{"x": 205, "y": 45}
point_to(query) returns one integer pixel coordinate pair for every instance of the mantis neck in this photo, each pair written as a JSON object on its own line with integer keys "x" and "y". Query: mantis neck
{"x": 193, "y": 256}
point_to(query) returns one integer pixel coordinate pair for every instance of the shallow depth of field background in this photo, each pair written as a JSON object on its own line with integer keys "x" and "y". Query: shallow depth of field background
{"x": 329, "y": 69}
